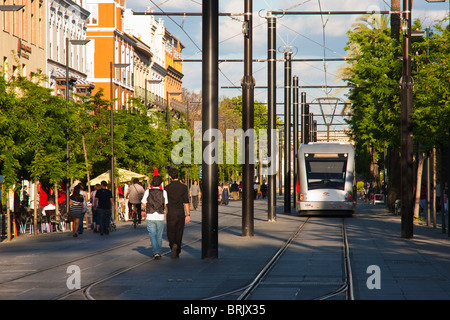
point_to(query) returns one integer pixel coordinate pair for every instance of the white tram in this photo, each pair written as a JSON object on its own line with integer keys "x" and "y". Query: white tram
{"x": 326, "y": 179}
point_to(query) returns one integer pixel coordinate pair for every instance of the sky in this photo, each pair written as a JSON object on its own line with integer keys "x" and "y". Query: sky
{"x": 309, "y": 37}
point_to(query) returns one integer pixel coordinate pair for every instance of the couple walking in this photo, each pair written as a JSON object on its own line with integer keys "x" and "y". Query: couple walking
{"x": 176, "y": 198}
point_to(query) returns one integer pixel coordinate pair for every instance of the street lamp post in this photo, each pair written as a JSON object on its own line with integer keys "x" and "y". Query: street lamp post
{"x": 73, "y": 42}
{"x": 111, "y": 67}
{"x": 8, "y": 216}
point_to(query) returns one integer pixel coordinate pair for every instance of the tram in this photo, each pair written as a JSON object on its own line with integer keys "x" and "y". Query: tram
{"x": 326, "y": 179}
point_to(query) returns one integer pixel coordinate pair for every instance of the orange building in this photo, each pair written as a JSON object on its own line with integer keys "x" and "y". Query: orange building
{"x": 173, "y": 80}
{"x": 109, "y": 44}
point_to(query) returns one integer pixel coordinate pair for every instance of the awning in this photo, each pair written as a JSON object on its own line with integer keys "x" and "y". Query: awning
{"x": 124, "y": 176}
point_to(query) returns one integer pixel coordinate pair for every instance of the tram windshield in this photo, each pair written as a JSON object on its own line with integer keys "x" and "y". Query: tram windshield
{"x": 326, "y": 172}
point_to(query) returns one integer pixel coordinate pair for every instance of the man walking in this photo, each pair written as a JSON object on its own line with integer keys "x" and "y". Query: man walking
{"x": 104, "y": 205}
{"x": 195, "y": 192}
{"x": 178, "y": 212}
{"x": 153, "y": 202}
{"x": 134, "y": 195}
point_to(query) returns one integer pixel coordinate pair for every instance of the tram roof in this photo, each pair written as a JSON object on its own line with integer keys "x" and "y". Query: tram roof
{"x": 327, "y": 147}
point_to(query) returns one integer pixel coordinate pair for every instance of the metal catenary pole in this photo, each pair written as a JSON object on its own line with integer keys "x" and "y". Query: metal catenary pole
{"x": 305, "y": 119}
{"x": 272, "y": 108}
{"x": 210, "y": 104}
{"x": 295, "y": 137}
{"x": 287, "y": 130}
{"x": 406, "y": 159}
{"x": 248, "y": 85}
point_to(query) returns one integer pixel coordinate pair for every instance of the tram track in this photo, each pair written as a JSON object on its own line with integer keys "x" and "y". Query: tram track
{"x": 230, "y": 219}
{"x": 347, "y": 285}
{"x": 245, "y": 292}
{"x": 86, "y": 289}
{"x": 91, "y": 255}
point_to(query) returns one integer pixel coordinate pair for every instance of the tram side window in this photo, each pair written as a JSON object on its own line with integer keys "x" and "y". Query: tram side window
{"x": 326, "y": 173}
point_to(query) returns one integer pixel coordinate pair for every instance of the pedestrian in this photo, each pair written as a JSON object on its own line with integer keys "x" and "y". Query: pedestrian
{"x": 235, "y": 190}
{"x": 225, "y": 193}
{"x": 423, "y": 198}
{"x": 104, "y": 204}
{"x": 264, "y": 190}
{"x": 76, "y": 208}
{"x": 95, "y": 223}
{"x": 134, "y": 195}
{"x": 25, "y": 197}
{"x": 219, "y": 193}
{"x": 178, "y": 212}
{"x": 154, "y": 202}
{"x": 83, "y": 212}
{"x": 195, "y": 193}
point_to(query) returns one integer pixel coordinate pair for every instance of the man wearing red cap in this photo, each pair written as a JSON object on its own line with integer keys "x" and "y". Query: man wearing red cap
{"x": 156, "y": 174}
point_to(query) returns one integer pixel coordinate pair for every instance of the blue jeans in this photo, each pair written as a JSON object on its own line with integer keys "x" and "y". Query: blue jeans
{"x": 155, "y": 230}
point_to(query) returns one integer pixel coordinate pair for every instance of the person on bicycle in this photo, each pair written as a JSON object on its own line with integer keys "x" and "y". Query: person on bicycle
{"x": 134, "y": 195}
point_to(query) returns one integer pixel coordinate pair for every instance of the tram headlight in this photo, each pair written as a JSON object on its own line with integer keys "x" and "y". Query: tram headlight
{"x": 301, "y": 197}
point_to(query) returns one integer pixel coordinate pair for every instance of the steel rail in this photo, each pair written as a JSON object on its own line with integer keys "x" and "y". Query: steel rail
{"x": 258, "y": 279}
{"x": 347, "y": 286}
{"x": 86, "y": 289}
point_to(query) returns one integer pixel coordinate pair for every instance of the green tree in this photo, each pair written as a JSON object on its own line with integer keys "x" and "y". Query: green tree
{"x": 32, "y": 139}
{"x": 431, "y": 114}
{"x": 375, "y": 94}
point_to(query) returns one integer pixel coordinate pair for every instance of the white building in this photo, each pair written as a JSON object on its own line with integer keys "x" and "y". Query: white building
{"x": 67, "y": 20}
{"x": 151, "y": 32}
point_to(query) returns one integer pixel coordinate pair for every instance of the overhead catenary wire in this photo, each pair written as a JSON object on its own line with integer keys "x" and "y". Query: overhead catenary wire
{"x": 186, "y": 33}
{"x": 324, "y": 46}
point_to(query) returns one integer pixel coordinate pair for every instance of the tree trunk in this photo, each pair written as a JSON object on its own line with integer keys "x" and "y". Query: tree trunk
{"x": 418, "y": 184}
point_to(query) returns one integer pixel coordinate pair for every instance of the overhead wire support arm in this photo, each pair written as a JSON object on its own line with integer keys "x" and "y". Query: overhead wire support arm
{"x": 278, "y": 60}
{"x": 192, "y": 14}
{"x": 282, "y": 87}
{"x": 284, "y": 13}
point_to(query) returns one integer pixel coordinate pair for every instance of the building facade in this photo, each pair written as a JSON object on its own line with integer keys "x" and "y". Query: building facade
{"x": 149, "y": 83}
{"x": 23, "y": 38}
{"x": 109, "y": 46}
{"x": 67, "y": 21}
{"x": 173, "y": 64}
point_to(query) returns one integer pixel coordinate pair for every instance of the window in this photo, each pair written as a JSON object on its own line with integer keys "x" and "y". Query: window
{"x": 24, "y": 24}
{"x": 116, "y": 52}
{"x": 93, "y": 17}
{"x": 326, "y": 173}
{"x": 33, "y": 22}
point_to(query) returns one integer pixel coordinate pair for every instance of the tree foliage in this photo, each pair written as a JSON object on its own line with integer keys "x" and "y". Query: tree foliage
{"x": 35, "y": 127}
{"x": 375, "y": 96}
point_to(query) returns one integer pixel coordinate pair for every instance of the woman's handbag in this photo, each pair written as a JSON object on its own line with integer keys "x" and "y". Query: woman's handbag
{"x": 69, "y": 217}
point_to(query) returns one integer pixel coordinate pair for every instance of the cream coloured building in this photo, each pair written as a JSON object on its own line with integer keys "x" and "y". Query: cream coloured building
{"x": 67, "y": 20}
{"x": 23, "y": 38}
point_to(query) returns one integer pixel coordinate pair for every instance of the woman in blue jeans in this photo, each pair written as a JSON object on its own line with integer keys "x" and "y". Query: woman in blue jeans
{"x": 154, "y": 201}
